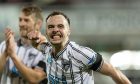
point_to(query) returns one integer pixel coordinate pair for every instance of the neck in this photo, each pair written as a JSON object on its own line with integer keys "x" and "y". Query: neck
{"x": 58, "y": 47}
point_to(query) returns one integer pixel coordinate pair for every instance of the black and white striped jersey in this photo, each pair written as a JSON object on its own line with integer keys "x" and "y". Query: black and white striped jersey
{"x": 29, "y": 56}
{"x": 73, "y": 65}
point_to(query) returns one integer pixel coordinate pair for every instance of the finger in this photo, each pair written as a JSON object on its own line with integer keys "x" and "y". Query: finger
{"x": 33, "y": 35}
{"x": 8, "y": 35}
{"x": 30, "y": 35}
{"x": 7, "y": 32}
{"x": 38, "y": 40}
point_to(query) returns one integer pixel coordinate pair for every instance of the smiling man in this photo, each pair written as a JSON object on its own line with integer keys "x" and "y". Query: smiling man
{"x": 71, "y": 63}
{"x": 19, "y": 61}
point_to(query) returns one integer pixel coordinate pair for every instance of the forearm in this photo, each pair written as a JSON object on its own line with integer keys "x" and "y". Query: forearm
{"x": 3, "y": 59}
{"x": 29, "y": 74}
{"x": 115, "y": 74}
{"x": 36, "y": 41}
{"x": 119, "y": 77}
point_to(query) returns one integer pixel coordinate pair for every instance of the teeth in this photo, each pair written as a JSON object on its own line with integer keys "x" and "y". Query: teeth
{"x": 56, "y": 37}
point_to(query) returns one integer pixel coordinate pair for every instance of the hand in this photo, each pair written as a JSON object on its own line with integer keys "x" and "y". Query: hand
{"x": 10, "y": 42}
{"x": 36, "y": 38}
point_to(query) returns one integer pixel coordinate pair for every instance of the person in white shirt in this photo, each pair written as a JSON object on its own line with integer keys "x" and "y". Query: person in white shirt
{"x": 30, "y": 58}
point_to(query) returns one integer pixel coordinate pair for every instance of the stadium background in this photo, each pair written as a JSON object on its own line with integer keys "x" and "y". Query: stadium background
{"x": 107, "y": 26}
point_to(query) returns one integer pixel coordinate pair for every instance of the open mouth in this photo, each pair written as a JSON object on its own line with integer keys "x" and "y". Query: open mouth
{"x": 56, "y": 37}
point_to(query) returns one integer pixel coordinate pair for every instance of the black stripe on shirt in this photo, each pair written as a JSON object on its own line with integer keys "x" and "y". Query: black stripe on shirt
{"x": 81, "y": 75}
{"x": 63, "y": 68}
{"x": 79, "y": 51}
{"x": 97, "y": 64}
{"x": 77, "y": 60}
{"x": 71, "y": 70}
{"x": 42, "y": 65}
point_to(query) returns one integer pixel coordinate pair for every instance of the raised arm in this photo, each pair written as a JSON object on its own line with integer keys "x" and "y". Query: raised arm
{"x": 31, "y": 75}
{"x": 3, "y": 55}
{"x": 3, "y": 60}
{"x": 115, "y": 74}
{"x": 36, "y": 39}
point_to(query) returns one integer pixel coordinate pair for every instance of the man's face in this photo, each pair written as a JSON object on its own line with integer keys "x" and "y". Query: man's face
{"x": 26, "y": 24}
{"x": 57, "y": 30}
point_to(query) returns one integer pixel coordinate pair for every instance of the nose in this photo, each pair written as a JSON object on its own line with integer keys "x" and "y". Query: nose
{"x": 55, "y": 29}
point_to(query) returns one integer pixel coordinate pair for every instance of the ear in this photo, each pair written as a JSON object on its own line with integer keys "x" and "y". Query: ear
{"x": 39, "y": 25}
{"x": 40, "y": 22}
{"x": 69, "y": 31}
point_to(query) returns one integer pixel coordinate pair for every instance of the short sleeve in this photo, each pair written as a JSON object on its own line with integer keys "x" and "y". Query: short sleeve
{"x": 96, "y": 63}
{"x": 88, "y": 58}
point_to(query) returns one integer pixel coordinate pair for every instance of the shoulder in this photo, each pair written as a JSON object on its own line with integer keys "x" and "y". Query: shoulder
{"x": 74, "y": 47}
{"x": 82, "y": 53}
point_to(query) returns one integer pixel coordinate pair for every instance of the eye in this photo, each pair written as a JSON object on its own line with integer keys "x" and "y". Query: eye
{"x": 26, "y": 20}
{"x": 20, "y": 19}
{"x": 50, "y": 26}
{"x": 60, "y": 26}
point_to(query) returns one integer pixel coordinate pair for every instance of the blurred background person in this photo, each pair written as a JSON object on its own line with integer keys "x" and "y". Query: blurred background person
{"x": 28, "y": 57}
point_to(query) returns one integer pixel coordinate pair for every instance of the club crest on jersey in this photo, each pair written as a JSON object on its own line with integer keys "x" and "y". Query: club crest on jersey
{"x": 65, "y": 64}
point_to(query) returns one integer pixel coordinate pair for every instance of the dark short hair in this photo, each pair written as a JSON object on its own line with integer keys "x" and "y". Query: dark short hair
{"x": 33, "y": 9}
{"x": 58, "y": 13}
